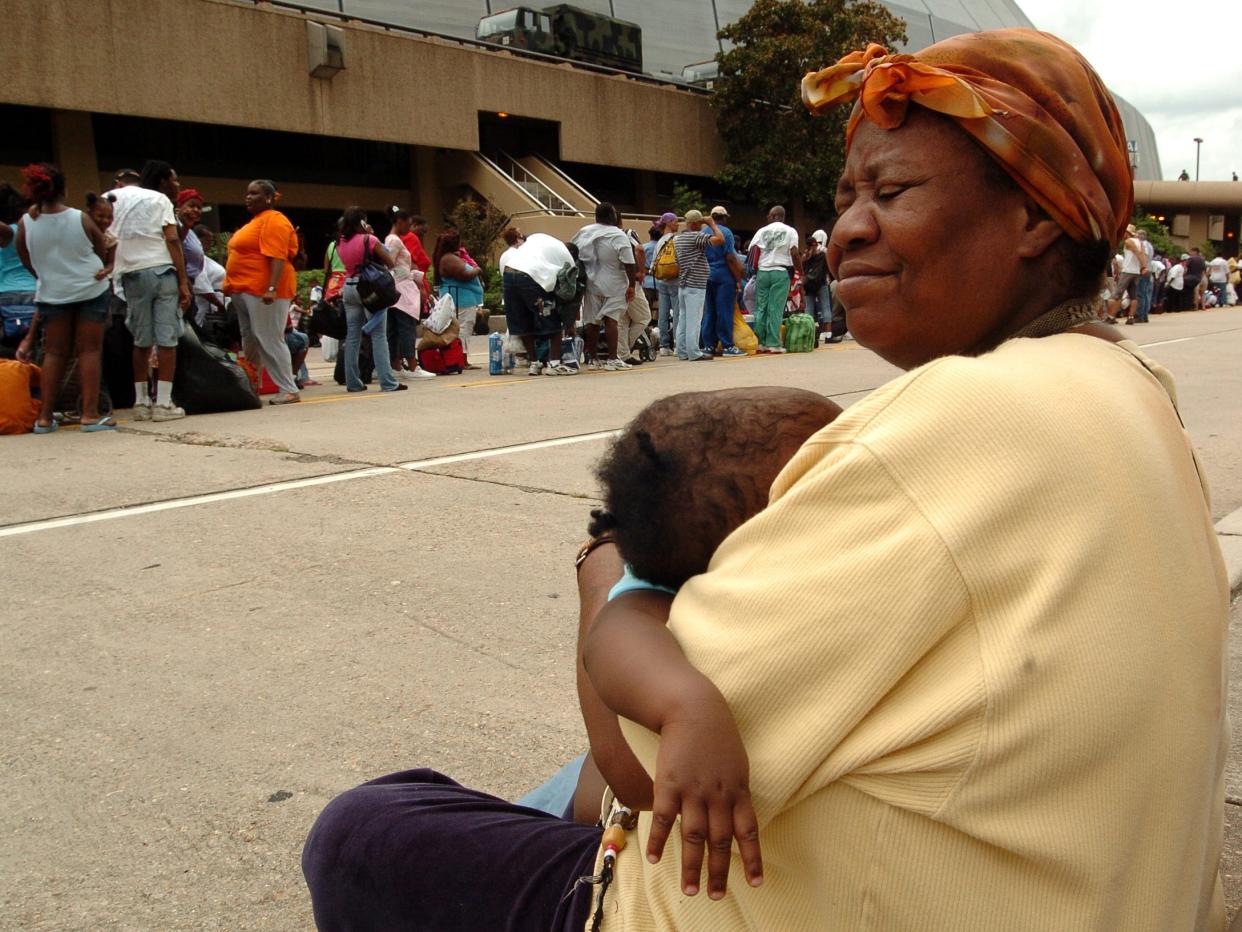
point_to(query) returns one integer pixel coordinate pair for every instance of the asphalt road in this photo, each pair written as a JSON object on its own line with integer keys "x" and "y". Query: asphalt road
{"x": 215, "y": 625}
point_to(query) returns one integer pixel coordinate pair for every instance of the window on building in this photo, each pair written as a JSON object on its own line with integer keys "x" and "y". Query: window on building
{"x": 213, "y": 151}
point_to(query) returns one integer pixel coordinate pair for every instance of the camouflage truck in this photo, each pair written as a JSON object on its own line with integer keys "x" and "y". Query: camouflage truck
{"x": 567, "y": 32}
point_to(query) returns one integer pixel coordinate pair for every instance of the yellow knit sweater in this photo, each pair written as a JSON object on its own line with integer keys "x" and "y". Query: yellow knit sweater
{"x": 976, "y": 648}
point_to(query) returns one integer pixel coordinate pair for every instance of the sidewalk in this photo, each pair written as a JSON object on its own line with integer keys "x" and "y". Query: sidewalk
{"x": 1229, "y": 534}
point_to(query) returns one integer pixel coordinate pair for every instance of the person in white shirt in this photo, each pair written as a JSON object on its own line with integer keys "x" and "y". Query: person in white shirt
{"x": 1133, "y": 264}
{"x": 208, "y": 286}
{"x": 150, "y": 266}
{"x": 608, "y": 256}
{"x": 530, "y": 279}
{"x": 1218, "y": 278}
{"x": 513, "y": 239}
{"x": 778, "y": 258}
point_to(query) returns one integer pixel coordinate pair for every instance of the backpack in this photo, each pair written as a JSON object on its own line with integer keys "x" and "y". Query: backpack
{"x": 665, "y": 266}
{"x": 566, "y": 288}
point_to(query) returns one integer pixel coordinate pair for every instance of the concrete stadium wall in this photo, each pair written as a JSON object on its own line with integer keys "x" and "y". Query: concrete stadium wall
{"x": 246, "y": 65}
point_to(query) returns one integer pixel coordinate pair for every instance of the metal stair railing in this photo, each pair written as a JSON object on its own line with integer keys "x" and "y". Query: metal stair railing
{"x": 556, "y": 170}
{"x": 552, "y": 202}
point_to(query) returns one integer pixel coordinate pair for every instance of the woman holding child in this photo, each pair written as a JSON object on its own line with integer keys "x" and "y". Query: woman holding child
{"x": 959, "y": 673}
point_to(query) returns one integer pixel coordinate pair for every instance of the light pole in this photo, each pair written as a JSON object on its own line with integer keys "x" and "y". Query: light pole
{"x": 1198, "y": 143}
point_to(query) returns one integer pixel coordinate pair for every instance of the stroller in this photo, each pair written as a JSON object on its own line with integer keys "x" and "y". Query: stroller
{"x": 647, "y": 346}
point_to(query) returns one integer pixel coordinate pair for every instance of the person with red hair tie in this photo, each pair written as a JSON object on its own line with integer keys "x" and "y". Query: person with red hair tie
{"x": 67, "y": 253}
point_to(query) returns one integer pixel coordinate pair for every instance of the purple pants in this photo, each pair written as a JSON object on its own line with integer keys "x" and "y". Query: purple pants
{"x": 415, "y": 850}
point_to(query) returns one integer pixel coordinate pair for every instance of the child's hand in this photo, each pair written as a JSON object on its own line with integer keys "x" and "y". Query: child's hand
{"x": 703, "y": 774}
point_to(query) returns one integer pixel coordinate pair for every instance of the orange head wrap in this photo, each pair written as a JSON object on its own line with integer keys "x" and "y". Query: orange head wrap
{"x": 1032, "y": 101}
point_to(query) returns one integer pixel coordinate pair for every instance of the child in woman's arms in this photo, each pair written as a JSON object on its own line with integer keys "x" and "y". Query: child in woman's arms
{"x": 687, "y": 471}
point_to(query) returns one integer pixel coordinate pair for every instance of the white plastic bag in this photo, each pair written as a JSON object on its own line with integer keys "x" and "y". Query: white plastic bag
{"x": 514, "y": 344}
{"x": 443, "y": 313}
{"x": 330, "y": 346}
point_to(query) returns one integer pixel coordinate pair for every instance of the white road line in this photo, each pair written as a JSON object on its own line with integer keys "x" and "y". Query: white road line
{"x": 127, "y": 511}
{"x": 1166, "y": 342}
{"x": 506, "y": 451}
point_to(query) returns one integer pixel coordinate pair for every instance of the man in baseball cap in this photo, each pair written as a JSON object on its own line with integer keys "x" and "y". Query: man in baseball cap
{"x": 724, "y": 270}
{"x": 692, "y": 274}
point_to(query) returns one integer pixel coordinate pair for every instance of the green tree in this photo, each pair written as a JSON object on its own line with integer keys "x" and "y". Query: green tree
{"x": 687, "y": 198}
{"x": 1157, "y": 234}
{"x": 480, "y": 223}
{"x": 775, "y": 151}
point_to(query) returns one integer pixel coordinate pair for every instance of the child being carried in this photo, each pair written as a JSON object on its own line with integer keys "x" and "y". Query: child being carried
{"x": 684, "y": 474}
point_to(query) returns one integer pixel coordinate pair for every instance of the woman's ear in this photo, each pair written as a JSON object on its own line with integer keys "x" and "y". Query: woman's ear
{"x": 1039, "y": 234}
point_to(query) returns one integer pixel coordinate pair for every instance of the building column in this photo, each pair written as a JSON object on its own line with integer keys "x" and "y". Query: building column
{"x": 73, "y": 148}
{"x": 425, "y": 187}
{"x": 645, "y": 193}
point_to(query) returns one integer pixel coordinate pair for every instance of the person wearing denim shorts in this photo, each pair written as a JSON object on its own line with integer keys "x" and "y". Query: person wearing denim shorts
{"x": 64, "y": 248}
{"x": 150, "y": 265}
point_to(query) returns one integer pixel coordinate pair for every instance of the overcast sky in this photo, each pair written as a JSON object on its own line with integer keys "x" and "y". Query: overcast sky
{"x": 1178, "y": 67}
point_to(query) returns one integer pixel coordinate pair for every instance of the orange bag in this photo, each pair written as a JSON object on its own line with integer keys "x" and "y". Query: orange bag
{"x": 18, "y": 409}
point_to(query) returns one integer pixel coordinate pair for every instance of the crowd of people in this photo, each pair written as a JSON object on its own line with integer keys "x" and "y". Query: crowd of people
{"x": 583, "y": 303}
{"x": 1143, "y": 281}
{"x": 693, "y": 278}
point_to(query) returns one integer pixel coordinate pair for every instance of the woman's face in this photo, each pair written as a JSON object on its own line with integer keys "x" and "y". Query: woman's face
{"x": 101, "y": 213}
{"x": 401, "y": 226}
{"x": 923, "y": 247}
{"x": 257, "y": 200}
{"x": 190, "y": 213}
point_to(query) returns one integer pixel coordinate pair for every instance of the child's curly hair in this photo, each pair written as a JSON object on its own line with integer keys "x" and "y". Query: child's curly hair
{"x": 691, "y": 468}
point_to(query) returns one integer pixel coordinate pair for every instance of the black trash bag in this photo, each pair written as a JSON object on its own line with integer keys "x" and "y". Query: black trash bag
{"x": 328, "y": 319}
{"x": 118, "y": 363}
{"x": 207, "y": 381}
{"x": 366, "y": 364}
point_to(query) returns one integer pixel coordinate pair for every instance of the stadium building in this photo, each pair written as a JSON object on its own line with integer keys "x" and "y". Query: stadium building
{"x": 380, "y": 102}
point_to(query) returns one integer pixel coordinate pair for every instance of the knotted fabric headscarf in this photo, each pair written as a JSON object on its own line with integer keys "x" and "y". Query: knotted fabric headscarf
{"x": 1031, "y": 100}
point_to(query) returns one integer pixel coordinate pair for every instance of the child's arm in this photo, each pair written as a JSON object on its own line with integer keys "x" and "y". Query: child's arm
{"x": 610, "y": 754}
{"x": 702, "y": 772}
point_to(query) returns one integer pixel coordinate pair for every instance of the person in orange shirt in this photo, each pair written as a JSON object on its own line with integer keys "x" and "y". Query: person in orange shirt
{"x": 260, "y": 278}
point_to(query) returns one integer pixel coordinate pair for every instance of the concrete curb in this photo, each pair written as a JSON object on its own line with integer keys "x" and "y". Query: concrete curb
{"x": 1229, "y": 536}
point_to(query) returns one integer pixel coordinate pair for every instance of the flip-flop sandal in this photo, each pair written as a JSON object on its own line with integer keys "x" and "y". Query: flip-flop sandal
{"x": 285, "y": 400}
{"x": 47, "y": 428}
{"x": 104, "y": 423}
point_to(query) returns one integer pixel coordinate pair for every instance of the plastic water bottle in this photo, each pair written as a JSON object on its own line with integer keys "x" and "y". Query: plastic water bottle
{"x": 495, "y": 354}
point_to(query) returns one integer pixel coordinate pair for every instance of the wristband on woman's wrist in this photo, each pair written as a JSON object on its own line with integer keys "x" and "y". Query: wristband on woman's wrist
{"x": 589, "y": 547}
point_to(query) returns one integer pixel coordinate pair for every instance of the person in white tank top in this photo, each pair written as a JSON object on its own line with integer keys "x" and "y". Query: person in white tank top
{"x": 66, "y": 251}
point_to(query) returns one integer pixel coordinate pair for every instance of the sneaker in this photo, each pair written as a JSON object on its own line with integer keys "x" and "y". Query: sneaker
{"x": 168, "y": 412}
{"x": 535, "y": 368}
{"x": 405, "y": 375}
{"x": 634, "y": 361}
{"x": 559, "y": 369}
{"x": 778, "y": 349}
{"x": 142, "y": 412}
{"x": 420, "y": 373}
{"x": 616, "y": 365}
{"x": 703, "y": 357}
{"x": 665, "y": 351}
{"x": 734, "y": 351}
